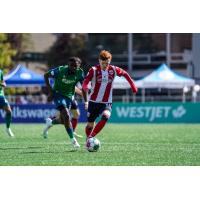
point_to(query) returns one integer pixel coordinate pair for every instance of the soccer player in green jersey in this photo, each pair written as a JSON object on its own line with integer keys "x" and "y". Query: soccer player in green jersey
{"x": 5, "y": 105}
{"x": 65, "y": 79}
{"x": 75, "y": 112}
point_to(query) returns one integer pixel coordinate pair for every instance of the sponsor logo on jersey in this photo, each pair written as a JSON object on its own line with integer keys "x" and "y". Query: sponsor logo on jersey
{"x": 111, "y": 72}
{"x": 67, "y": 81}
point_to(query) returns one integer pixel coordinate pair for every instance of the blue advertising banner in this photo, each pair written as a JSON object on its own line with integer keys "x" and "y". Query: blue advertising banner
{"x": 166, "y": 112}
{"x": 35, "y": 113}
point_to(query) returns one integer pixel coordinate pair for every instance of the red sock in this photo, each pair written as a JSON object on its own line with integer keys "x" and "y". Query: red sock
{"x": 74, "y": 123}
{"x": 98, "y": 128}
{"x": 88, "y": 130}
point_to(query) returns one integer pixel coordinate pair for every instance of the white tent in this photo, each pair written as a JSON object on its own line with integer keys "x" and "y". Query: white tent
{"x": 164, "y": 77}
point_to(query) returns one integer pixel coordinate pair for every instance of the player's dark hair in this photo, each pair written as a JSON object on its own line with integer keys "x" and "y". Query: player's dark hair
{"x": 75, "y": 59}
{"x": 72, "y": 59}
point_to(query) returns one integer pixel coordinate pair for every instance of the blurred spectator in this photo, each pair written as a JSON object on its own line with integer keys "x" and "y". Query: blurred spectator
{"x": 18, "y": 100}
{"x": 43, "y": 99}
{"x": 23, "y": 100}
{"x": 29, "y": 98}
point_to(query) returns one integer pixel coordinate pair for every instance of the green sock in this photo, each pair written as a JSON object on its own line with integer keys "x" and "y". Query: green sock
{"x": 8, "y": 119}
{"x": 70, "y": 132}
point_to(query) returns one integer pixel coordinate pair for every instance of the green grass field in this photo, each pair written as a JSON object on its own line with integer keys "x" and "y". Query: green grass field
{"x": 121, "y": 145}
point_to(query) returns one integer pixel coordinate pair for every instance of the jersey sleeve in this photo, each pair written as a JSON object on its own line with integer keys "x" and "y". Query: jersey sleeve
{"x": 1, "y": 75}
{"x": 130, "y": 81}
{"x": 54, "y": 72}
{"x": 82, "y": 76}
{"x": 119, "y": 71}
{"x": 87, "y": 79}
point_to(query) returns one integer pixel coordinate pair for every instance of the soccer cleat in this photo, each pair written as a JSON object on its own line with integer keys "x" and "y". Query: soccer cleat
{"x": 75, "y": 144}
{"x": 77, "y": 135}
{"x": 86, "y": 143}
{"x": 47, "y": 127}
{"x": 9, "y": 132}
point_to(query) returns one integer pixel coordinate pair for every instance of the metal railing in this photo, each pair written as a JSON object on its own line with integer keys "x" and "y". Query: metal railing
{"x": 154, "y": 58}
{"x": 155, "y": 98}
{"x": 41, "y": 99}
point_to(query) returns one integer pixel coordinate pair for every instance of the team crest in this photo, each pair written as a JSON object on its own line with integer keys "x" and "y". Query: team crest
{"x": 111, "y": 72}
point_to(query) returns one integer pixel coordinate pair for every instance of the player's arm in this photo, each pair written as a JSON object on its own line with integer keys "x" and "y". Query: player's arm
{"x": 121, "y": 72}
{"x": 85, "y": 86}
{"x": 2, "y": 82}
{"x": 50, "y": 74}
{"x": 78, "y": 91}
{"x": 79, "y": 84}
{"x": 85, "y": 97}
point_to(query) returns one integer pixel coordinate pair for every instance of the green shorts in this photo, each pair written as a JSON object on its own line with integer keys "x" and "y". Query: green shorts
{"x": 3, "y": 102}
{"x": 62, "y": 101}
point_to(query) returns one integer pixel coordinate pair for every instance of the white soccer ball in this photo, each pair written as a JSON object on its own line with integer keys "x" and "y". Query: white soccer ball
{"x": 92, "y": 144}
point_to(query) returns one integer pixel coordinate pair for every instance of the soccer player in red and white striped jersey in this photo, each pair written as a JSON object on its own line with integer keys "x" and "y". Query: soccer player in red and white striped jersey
{"x": 100, "y": 100}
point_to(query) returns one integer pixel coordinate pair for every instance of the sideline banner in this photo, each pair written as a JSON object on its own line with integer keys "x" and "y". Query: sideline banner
{"x": 168, "y": 112}
{"x": 34, "y": 113}
{"x": 122, "y": 112}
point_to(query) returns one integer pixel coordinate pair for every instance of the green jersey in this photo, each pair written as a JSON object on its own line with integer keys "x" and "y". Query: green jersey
{"x": 65, "y": 82}
{"x": 1, "y": 80}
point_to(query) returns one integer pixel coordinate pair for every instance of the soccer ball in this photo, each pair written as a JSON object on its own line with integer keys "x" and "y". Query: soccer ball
{"x": 92, "y": 144}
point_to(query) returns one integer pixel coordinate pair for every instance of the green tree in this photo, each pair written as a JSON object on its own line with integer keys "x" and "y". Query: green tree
{"x": 67, "y": 45}
{"x": 19, "y": 41}
{"x": 12, "y": 46}
{"x": 6, "y": 53}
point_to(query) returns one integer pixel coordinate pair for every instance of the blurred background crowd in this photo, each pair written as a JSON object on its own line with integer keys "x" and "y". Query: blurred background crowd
{"x": 138, "y": 53}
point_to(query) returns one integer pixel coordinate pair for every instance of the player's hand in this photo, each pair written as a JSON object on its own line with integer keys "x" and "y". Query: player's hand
{"x": 50, "y": 97}
{"x": 86, "y": 105}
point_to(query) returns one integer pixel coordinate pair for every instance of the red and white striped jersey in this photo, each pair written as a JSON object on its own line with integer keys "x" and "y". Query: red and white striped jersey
{"x": 102, "y": 82}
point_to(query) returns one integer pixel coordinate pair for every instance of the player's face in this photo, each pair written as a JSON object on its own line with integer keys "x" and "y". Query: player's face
{"x": 78, "y": 64}
{"x": 73, "y": 65}
{"x": 104, "y": 63}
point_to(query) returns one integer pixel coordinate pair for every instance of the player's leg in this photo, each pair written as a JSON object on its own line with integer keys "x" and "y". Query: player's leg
{"x": 50, "y": 121}
{"x": 89, "y": 127}
{"x": 75, "y": 117}
{"x": 56, "y": 119}
{"x": 75, "y": 114}
{"x": 106, "y": 113}
{"x": 63, "y": 104}
{"x": 65, "y": 117}
{"x": 92, "y": 114}
{"x": 8, "y": 119}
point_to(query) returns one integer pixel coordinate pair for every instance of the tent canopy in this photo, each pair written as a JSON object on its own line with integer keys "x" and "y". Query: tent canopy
{"x": 164, "y": 77}
{"x": 23, "y": 77}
